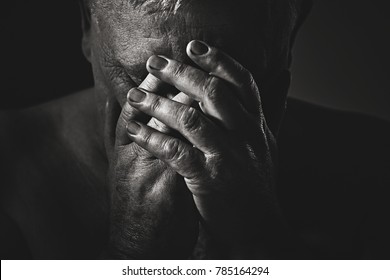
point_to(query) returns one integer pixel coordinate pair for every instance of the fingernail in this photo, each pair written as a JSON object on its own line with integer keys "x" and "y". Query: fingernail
{"x": 157, "y": 62}
{"x": 136, "y": 95}
{"x": 133, "y": 127}
{"x": 198, "y": 48}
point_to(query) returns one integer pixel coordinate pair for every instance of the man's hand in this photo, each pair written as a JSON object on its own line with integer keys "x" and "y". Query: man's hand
{"x": 152, "y": 212}
{"x": 229, "y": 156}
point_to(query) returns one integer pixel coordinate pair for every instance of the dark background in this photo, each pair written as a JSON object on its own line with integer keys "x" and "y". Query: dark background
{"x": 341, "y": 55}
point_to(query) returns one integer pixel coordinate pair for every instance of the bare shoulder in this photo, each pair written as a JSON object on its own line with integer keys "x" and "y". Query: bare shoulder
{"x": 41, "y": 174}
{"x": 30, "y": 135}
{"x": 27, "y": 131}
{"x": 23, "y": 136}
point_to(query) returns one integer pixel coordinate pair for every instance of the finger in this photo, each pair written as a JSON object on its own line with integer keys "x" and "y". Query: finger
{"x": 153, "y": 84}
{"x": 216, "y": 97}
{"x": 150, "y": 83}
{"x": 184, "y": 99}
{"x": 191, "y": 123}
{"x": 221, "y": 65}
{"x": 158, "y": 125}
{"x": 181, "y": 157}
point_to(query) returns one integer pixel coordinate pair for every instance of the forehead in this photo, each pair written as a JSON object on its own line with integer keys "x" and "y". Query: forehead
{"x": 134, "y": 32}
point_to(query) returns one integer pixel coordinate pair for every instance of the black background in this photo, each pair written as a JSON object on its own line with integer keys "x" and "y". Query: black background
{"x": 42, "y": 51}
{"x": 341, "y": 55}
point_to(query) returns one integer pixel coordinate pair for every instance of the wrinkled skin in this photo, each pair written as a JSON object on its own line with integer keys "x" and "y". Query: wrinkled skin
{"x": 153, "y": 214}
{"x": 332, "y": 176}
{"x": 207, "y": 152}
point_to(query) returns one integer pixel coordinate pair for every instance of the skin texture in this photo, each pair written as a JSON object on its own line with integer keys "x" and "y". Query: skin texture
{"x": 222, "y": 182}
{"x": 194, "y": 165}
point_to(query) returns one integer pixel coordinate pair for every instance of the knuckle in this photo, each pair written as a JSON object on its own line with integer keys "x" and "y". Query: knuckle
{"x": 246, "y": 78}
{"x": 156, "y": 124}
{"x": 127, "y": 112}
{"x": 218, "y": 55}
{"x": 125, "y": 116}
{"x": 219, "y": 61}
{"x": 179, "y": 70}
{"x": 155, "y": 104}
{"x": 146, "y": 138}
{"x": 213, "y": 88}
{"x": 172, "y": 149}
{"x": 190, "y": 119}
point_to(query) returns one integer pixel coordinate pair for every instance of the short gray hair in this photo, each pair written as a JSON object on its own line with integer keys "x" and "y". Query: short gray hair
{"x": 282, "y": 20}
{"x": 165, "y": 6}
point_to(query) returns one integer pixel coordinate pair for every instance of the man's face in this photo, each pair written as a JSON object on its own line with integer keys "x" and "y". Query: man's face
{"x": 124, "y": 37}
